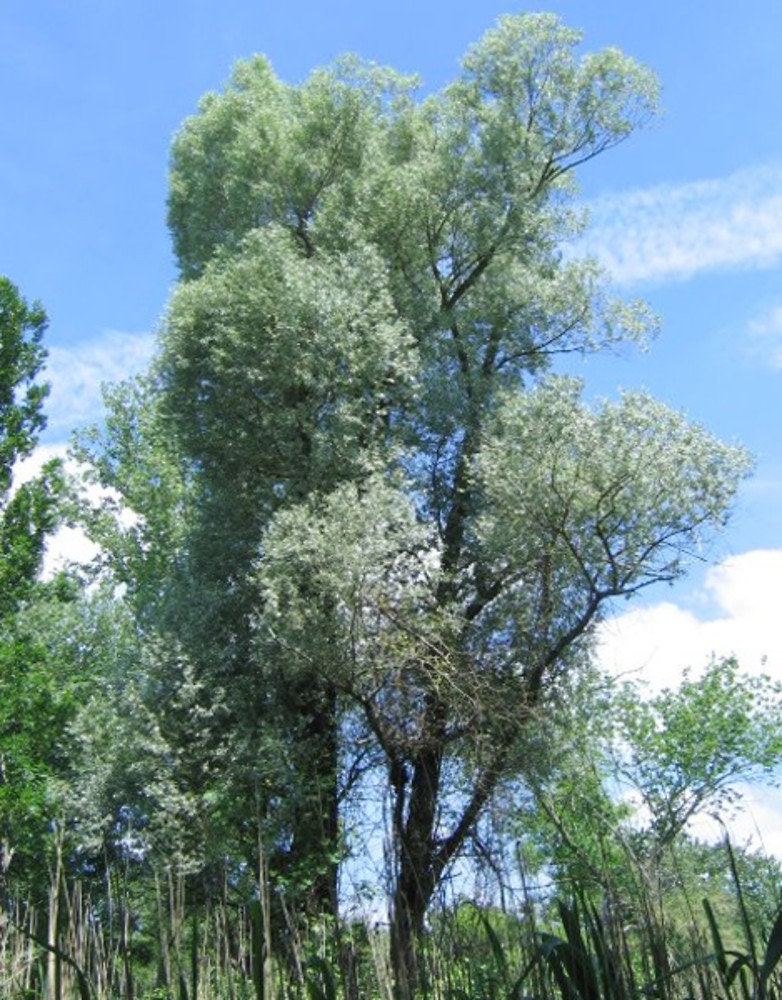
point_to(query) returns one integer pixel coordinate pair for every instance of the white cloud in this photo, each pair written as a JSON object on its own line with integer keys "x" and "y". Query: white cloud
{"x": 672, "y": 232}
{"x": 77, "y": 373}
{"x": 656, "y": 643}
{"x": 66, "y": 547}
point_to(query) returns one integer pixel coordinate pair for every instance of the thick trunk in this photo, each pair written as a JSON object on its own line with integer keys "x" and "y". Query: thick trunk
{"x": 422, "y": 857}
{"x": 404, "y": 950}
{"x": 416, "y": 865}
{"x": 411, "y": 897}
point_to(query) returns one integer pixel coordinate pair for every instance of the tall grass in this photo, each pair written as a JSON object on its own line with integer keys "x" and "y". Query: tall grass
{"x": 156, "y": 939}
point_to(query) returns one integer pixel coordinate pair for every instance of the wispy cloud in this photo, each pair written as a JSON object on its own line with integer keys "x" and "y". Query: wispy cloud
{"x": 673, "y": 232}
{"x": 77, "y": 373}
{"x": 765, "y": 331}
{"x": 755, "y": 823}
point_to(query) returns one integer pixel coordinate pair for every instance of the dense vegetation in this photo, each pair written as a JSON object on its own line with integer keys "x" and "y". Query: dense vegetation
{"x": 321, "y": 719}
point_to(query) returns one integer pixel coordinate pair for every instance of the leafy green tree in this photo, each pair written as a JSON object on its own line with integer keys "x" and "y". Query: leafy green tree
{"x": 33, "y": 705}
{"x": 570, "y": 820}
{"x": 28, "y": 510}
{"x": 685, "y": 750}
{"x": 397, "y": 523}
{"x": 207, "y": 768}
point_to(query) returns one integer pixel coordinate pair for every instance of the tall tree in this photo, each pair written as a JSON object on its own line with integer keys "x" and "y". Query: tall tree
{"x": 398, "y": 520}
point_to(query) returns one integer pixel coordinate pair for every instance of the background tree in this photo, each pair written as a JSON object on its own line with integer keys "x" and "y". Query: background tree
{"x": 685, "y": 750}
{"x": 27, "y": 509}
{"x": 626, "y": 773}
{"x": 34, "y": 701}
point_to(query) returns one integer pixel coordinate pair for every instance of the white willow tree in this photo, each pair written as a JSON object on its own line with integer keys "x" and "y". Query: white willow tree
{"x": 397, "y": 519}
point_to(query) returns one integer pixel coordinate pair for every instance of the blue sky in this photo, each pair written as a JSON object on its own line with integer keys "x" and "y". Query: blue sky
{"x": 687, "y": 214}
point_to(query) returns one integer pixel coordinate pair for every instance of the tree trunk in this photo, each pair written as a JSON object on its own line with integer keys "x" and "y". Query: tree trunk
{"x": 421, "y": 857}
{"x": 404, "y": 950}
{"x": 416, "y": 867}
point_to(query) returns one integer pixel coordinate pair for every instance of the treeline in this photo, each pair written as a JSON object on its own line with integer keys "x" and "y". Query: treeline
{"x": 320, "y": 718}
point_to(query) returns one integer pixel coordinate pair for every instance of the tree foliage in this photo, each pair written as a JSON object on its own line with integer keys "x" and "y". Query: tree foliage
{"x": 28, "y": 510}
{"x": 687, "y": 748}
{"x": 33, "y": 705}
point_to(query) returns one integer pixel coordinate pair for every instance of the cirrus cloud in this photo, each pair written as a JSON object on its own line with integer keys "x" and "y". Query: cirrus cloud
{"x": 765, "y": 331}
{"x": 675, "y": 231}
{"x": 77, "y": 374}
